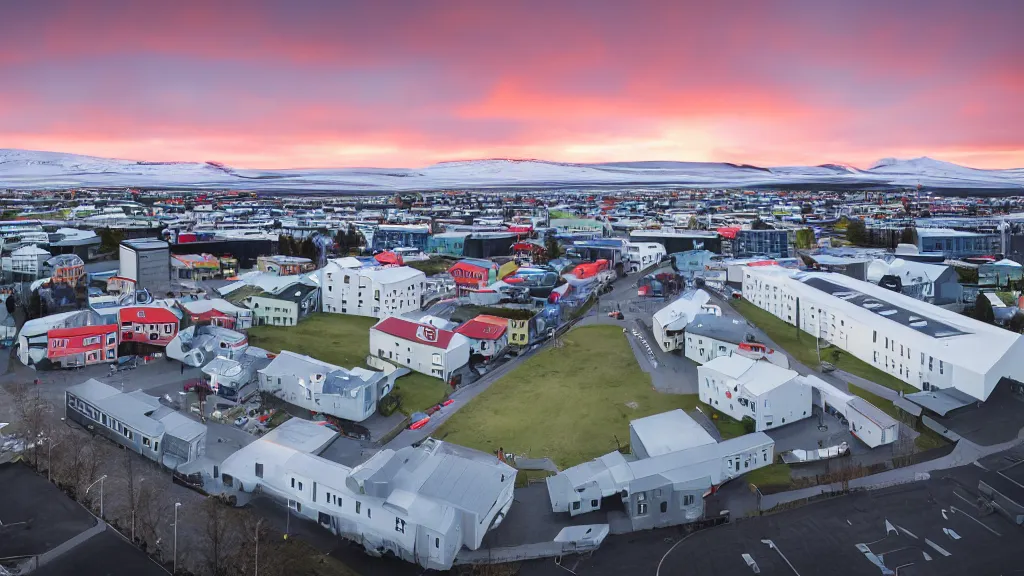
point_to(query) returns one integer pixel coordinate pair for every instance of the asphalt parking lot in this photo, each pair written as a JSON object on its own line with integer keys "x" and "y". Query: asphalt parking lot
{"x": 823, "y": 538}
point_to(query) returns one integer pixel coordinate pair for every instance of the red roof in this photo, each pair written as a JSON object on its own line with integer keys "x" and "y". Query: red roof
{"x": 415, "y": 332}
{"x": 483, "y": 328}
{"x": 81, "y": 331}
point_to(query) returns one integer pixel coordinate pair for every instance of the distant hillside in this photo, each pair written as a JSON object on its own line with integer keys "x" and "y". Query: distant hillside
{"x": 24, "y": 169}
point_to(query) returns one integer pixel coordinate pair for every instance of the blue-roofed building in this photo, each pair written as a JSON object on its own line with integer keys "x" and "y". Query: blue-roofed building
{"x": 387, "y": 236}
{"x": 957, "y": 243}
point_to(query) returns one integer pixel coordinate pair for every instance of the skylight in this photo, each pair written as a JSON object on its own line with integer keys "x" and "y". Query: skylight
{"x": 888, "y": 312}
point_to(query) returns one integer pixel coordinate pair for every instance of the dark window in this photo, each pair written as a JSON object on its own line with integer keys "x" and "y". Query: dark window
{"x": 437, "y": 542}
{"x": 259, "y": 470}
{"x": 593, "y": 503}
{"x": 575, "y": 505}
{"x": 664, "y": 507}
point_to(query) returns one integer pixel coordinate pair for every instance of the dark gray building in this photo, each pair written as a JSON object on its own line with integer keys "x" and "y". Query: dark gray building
{"x": 148, "y": 262}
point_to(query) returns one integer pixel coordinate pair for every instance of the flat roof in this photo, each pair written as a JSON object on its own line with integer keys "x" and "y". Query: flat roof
{"x": 140, "y": 244}
{"x": 28, "y": 497}
{"x": 669, "y": 432}
{"x": 718, "y": 327}
{"x": 892, "y": 312}
{"x": 871, "y": 412}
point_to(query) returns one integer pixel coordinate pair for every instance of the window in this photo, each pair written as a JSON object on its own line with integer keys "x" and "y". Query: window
{"x": 368, "y": 512}
{"x": 168, "y": 328}
{"x": 887, "y": 343}
{"x": 359, "y": 506}
{"x": 156, "y": 448}
{"x": 127, "y": 433}
{"x": 593, "y": 503}
{"x": 91, "y": 340}
{"x": 575, "y": 505}
{"x": 940, "y": 366}
{"x": 293, "y": 482}
{"x": 664, "y": 507}
{"x": 930, "y": 359}
{"x": 436, "y": 359}
{"x": 642, "y": 496}
{"x": 641, "y": 509}
{"x": 437, "y": 542}
{"x": 259, "y": 470}
{"x": 400, "y": 525}
{"x": 145, "y": 442}
{"x": 300, "y": 486}
{"x": 346, "y": 279}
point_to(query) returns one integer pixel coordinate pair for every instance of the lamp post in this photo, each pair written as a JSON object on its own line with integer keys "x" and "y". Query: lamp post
{"x": 176, "y": 506}
{"x": 102, "y": 478}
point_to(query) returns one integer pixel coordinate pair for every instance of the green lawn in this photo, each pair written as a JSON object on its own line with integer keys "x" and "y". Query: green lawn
{"x": 1007, "y": 298}
{"x": 560, "y": 215}
{"x": 927, "y": 439}
{"x": 435, "y": 265}
{"x": 336, "y": 338}
{"x": 772, "y": 475}
{"x": 801, "y": 346}
{"x": 568, "y": 404}
{"x": 727, "y": 426}
{"x": 345, "y": 341}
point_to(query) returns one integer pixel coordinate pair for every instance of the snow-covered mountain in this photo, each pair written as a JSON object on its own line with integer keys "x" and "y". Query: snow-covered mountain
{"x": 24, "y": 169}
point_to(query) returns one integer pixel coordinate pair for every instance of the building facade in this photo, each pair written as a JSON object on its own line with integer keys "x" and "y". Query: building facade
{"x": 371, "y": 291}
{"x": 350, "y": 394}
{"x": 756, "y": 389}
{"x": 420, "y": 347}
{"x": 921, "y": 344}
{"x": 82, "y": 346}
{"x": 148, "y": 325}
{"x": 148, "y": 263}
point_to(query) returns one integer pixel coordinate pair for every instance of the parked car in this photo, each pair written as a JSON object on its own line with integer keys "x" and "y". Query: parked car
{"x": 241, "y": 421}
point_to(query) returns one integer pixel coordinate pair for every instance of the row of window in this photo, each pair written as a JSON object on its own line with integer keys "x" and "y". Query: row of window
{"x": 111, "y": 338}
{"x": 96, "y": 415}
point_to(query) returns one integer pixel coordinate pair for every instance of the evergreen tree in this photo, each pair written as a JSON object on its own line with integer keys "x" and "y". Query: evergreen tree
{"x": 553, "y": 250}
{"x": 856, "y": 232}
{"x": 983, "y": 310}
{"x": 908, "y": 236}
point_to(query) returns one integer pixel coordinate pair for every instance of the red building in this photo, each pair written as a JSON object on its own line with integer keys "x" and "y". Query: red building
{"x": 82, "y": 346}
{"x": 154, "y": 325}
{"x": 473, "y": 273}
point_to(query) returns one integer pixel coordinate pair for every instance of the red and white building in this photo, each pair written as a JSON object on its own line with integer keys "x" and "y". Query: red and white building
{"x": 81, "y": 346}
{"x": 153, "y": 325}
{"x": 218, "y": 312}
{"x": 487, "y": 334}
{"x": 420, "y": 347}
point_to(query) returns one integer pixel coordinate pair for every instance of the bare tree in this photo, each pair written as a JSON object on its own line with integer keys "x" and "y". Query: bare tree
{"x": 220, "y": 531}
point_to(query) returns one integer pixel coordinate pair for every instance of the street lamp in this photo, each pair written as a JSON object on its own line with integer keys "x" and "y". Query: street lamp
{"x": 102, "y": 478}
{"x": 176, "y": 506}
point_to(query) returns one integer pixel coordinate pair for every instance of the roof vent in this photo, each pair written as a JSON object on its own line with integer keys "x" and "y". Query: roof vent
{"x": 888, "y": 312}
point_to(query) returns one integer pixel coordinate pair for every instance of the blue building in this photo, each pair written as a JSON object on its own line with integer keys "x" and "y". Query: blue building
{"x": 387, "y": 236}
{"x": 448, "y": 244}
{"x": 772, "y": 243}
{"x": 956, "y": 243}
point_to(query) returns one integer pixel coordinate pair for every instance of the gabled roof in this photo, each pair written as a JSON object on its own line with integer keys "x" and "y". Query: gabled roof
{"x": 415, "y": 332}
{"x": 483, "y": 327}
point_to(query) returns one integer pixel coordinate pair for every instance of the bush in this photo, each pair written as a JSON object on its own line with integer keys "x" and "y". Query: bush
{"x": 388, "y": 404}
{"x": 748, "y": 424}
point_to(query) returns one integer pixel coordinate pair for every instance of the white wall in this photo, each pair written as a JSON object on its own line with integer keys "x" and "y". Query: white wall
{"x": 422, "y": 358}
{"x": 787, "y": 403}
{"x": 363, "y": 295}
{"x": 702, "y": 349}
{"x": 266, "y": 310}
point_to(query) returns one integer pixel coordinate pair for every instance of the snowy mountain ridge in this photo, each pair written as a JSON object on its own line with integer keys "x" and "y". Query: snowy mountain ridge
{"x": 26, "y": 169}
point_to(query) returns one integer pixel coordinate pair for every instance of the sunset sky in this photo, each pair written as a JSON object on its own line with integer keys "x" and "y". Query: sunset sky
{"x": 306, "y": 83}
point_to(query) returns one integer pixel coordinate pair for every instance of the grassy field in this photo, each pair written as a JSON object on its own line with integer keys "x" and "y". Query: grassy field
{"x": 1007, "y": 298}
{"x": 560, "y": 215}
{"x": 772, "y": 475}
{"x": 927, "y": 439}
{"x": 802, "y": 347}
{"x": 345, "y": 341}
{"x": 435, "y": 265}
{"x": 727, "y": 426}
{"x": 568, "y": 403}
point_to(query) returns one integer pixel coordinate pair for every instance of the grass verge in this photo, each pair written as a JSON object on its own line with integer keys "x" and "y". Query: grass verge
{"x": 801, "y": 346}
{"x": 569, "y": 403}
{"x": 772, "y": 475}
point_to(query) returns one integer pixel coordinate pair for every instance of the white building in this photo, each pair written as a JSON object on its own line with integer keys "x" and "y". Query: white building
{"x": 662, "y": 482}
{"x": 670, "y": 322}
{"x": 350, "y": 394}
{"x": 743, "y": 388}
{"x": 420, "y": 347}
{"x": 148, "y": 262}
{"x": 709, "y": 336}
{"x": 26, "y": 263}
{"x": 866, "y": 421}
{"x": 923, "y": 345}
{"x": 423, "y": 504}
{"x": 640, "y": 255}
{"x": 371, "y": 291}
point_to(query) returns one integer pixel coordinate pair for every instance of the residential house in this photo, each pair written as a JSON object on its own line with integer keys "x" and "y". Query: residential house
{"x": 709, "y": 336}
{"x": 284, "y": 265}
{"x": 195, "y": 267}
{"x": 371, "y": 291}
{"x": 35, "y": 348}
{"x": 26, "y": 263}
{"x": 323, "y": 388}
{"x": 742, "y": 388}
{"x": 662, "y": 482}
{"x": 217, "y": 312}
{"x": 669, "y": 323}
{"x": 487, "y": 334}
{"x": 420, "y": 347}
{"x": 148, "y": 326}
{"x": 421, "y": 503}
{"x": 82, "y": 346}
{"x": 286, "y": 307}
{"x": 473, "y": 274}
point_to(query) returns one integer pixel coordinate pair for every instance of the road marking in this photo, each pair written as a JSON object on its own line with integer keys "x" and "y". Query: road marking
{"x": 937, "y": 548}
